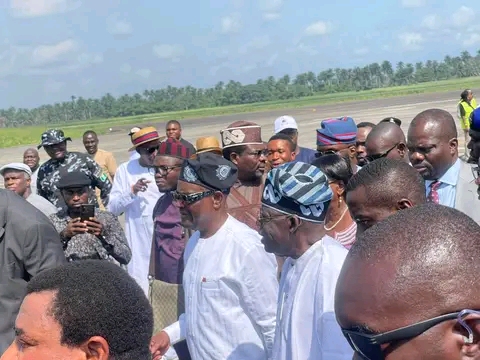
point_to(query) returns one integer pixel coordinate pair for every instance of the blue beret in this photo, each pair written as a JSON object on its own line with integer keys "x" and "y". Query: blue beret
{"x": 337, "y": 131}
{"x": 299, "y": 189}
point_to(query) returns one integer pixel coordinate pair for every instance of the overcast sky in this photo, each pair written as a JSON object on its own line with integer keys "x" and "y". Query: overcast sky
{"x": 53, "y": 49}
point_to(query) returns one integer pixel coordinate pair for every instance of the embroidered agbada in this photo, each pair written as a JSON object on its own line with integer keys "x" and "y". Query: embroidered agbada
{"x": 230, "y": 296}
{"x": 138, "y": 211}
{"x": 306, "y": 327}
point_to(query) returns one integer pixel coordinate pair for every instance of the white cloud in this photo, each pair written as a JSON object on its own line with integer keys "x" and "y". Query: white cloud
{"x": 361, "y": 51}
{"x": 257, "y": 43}
{"x": 230, "y": 24}
{"x": 463, "y": 17}
{"x": 413, "y": 3}
{"x": 431, "y": 22}
{"x": 89, "y": 59}
{"x": 168, "y": 51}
{"x": 126, "y": 68}
{"x": 411, "y": 40}
{"x": 144, "y": 73}
{"x": 472, "y": 39}
{"x": 45, "y": 54}
{"x": 271, "y": 9}
{"x": 271, "y": 16}
{"x": 118, "y": 27}
{"x": 35, "y": 8}
{"x": 53, "y": 86}
{"x": 318, "y": 28}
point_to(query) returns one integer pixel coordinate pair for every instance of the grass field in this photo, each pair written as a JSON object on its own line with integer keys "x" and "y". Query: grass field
{"x": 31, "y": 135}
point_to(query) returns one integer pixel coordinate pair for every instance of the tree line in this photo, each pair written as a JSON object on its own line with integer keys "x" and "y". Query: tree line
{"x": 375, "y": 75}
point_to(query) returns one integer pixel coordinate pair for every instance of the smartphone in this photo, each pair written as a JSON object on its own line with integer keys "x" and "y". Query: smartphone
{"x": 87, "y": 212}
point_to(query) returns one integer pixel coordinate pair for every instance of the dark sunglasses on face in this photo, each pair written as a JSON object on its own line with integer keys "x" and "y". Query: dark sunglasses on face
{"x": 188, "y": 199}
{"x": 149, "y": 150}
{"x": 374, "y": 157}
{"x": 326, "y": 152}
{"x": 369, "y": 346}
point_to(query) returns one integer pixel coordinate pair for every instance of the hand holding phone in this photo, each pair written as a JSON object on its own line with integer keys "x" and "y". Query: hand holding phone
{"x": 87, "y": 211}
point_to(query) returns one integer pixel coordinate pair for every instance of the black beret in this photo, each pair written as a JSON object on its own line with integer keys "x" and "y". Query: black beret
{"x": 75, "y": 179}
{"x": 209, "y": 170}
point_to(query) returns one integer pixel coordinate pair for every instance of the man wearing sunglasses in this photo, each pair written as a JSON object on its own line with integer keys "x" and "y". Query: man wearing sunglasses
{"x": 135, "y": 194}
{"x": 386, "y": 140}
{"x": 292, "y": 219}
{"x": 338, "y": 136}
{"x": 407, "y": 289}
{"x": 433, "y": 150}
{"x": 229, "y": 280}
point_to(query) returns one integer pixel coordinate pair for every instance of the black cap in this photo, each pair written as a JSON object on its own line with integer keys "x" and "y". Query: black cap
{"x": 209, "y": 170}
{"x": 76, "y": 179}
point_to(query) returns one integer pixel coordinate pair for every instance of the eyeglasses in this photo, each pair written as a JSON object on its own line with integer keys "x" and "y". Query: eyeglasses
{"x": 263, "y": 220}
{"x": 149, "y": 150}
{"x": 319, "y": 154}
{"x": 162, "y": 170}
{"x": 374, "y": 157}
{"x": 258, "y": 153}
{"x": 368, "y": 346}
{"x": 189, "y": 199}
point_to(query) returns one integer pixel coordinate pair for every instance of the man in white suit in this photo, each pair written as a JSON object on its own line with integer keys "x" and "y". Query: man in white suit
{"x": 433, "y": 145}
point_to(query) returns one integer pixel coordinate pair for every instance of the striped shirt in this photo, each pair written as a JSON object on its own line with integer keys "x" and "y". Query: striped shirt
{"x": 347, "y": 237}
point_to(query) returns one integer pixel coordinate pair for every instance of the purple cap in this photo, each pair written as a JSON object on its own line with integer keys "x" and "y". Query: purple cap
{"x": 337, "y": 131}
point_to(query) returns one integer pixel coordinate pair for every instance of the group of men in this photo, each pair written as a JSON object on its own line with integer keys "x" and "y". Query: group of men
{"x": 229, "y": 242}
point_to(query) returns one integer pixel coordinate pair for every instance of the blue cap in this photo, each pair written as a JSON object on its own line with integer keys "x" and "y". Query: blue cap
{"x": 337, "y": 131}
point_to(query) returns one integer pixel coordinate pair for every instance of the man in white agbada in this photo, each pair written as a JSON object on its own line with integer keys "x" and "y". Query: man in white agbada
{"x": 134, "y": 193}
{"x": 294, "y": 204}
{"x": 230, "y": 282}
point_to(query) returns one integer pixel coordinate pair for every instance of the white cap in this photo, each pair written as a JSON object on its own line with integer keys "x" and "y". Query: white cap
{"x": 16, "y": 166}
{"x": 285, "y": 122}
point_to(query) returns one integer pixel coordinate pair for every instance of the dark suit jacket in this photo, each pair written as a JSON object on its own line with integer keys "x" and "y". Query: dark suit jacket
{"x": 29, "y": 244}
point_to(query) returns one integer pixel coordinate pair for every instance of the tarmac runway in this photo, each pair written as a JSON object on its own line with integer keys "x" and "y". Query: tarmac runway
{"x": 308, "y": 118}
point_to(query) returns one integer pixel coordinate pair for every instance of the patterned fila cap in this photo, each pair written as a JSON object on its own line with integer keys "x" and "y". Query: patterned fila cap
{"x": 337, "y": 131}
{"x": 174, "y": 148}
{"x": 241, "y": 133}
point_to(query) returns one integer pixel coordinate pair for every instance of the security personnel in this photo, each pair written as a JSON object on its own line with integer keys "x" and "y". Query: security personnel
{"x": 465, "y": 107}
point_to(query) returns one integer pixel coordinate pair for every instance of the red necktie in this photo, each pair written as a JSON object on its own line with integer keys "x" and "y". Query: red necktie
{"x": 433, "y": 194}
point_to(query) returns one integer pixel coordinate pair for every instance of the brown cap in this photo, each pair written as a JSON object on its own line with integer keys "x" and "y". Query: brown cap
{"x": 241, "y": 133}
{"x": 208, "y": 144}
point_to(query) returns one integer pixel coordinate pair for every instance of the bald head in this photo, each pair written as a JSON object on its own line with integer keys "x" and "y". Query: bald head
{"x": 428, "y": 253}
{"x": 31, "y": 158}
{"x": 387, "y": 137}
{"x": 436, "y": 120}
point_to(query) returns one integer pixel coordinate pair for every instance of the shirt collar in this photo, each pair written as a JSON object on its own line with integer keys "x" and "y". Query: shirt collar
{"x": 451, "y": 175}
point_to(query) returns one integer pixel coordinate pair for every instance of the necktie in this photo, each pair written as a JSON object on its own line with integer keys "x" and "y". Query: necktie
{"x": 433, "y": 194}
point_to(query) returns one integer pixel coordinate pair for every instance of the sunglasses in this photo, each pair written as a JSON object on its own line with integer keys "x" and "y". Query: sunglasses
{"x": 374, "y": 157}
{"x": 319, "y": 154}
{"x": 189, "y": 199}
{"x": 369, "y": 346}
{"x": 149, "y": 150}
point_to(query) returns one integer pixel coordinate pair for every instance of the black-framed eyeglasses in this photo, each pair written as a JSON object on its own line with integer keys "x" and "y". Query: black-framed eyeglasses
{"x": 368, "y": 346}
{"x": 319, "y": 154}
{"x": 263, "y": 220}
{"x": 374, "y": 157}
{"x": 258, "y": 153}
{"x": 149, "y": 150}
{"x": 189, "y": 199}
{"x": 162, "y": 170}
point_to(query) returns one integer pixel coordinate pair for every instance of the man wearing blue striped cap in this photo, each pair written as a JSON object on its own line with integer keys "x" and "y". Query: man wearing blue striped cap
{"x": 294, "y": 204}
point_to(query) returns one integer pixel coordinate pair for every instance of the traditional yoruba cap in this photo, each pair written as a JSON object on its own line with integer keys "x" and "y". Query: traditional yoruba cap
{"x": 53, "y": 137}
{"x": 285, "y": 122}
{"x": 392, "y": 120}
{"x": 134, "y": 130}
{"x": 209, "y": 170}
{"x": 337, "y": 131}
{"x": 208, "y": 144}
{"x": 144, "y": 136}
{"x": 241, "y": 133}
{"x": 16, "y": 166}
{"x": 74, "y": 179}
{"x": 174, "y": 148}
{"x": 298, "y": 189}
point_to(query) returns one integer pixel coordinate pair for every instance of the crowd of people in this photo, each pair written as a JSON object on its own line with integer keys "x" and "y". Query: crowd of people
{"x": 243, "y": 248}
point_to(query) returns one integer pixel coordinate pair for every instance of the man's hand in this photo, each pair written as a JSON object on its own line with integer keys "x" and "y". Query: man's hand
{"x": 94, "y": 226}
{"x": 140, "y": 185}
{"x": 74, "y": 227}
{"x": 159, "y": 345}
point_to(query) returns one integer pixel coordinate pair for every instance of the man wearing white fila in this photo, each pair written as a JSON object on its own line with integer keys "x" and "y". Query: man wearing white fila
{"x": 287, "y": 125}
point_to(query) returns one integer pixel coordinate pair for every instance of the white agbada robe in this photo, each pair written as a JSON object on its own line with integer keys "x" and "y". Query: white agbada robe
{"x": 231, "y": 288}
{"x": 138, "y": 211}
{"x": 306, "y": 325}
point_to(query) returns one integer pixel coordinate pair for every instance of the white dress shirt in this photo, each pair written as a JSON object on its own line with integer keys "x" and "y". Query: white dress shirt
{"x": 231, "y": 288}
{"x": 306, "y": 325}
{"x": 138, "y": 211}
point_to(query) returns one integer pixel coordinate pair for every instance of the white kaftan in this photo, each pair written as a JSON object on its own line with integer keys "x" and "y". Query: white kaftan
{"x": 138, "y": 215}
{"x": 231, "y": 287}
{"x": 306, "y": 326}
